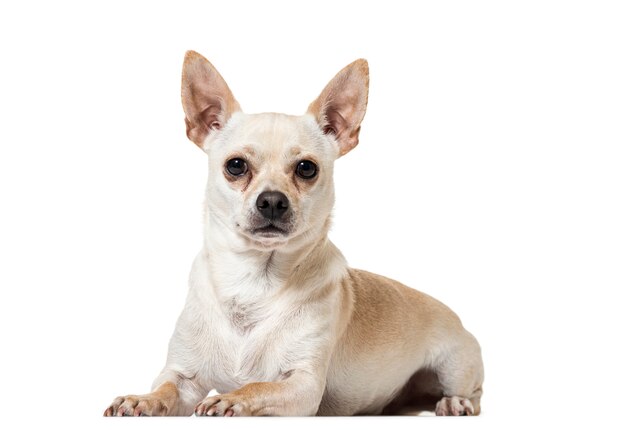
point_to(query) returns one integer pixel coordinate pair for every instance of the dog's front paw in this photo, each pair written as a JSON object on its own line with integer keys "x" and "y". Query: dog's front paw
{"x": 226, "y": 405}
{"x": 455, "y": 406}
{"x": 135, "y": 406}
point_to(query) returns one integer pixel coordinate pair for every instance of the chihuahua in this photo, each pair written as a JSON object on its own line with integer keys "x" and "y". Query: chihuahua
{"x": 275, "y": 321}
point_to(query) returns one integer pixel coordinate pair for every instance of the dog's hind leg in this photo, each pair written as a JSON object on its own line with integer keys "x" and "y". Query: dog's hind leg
{"x": 420, "y": 394}
{"x": 460, "y": 373}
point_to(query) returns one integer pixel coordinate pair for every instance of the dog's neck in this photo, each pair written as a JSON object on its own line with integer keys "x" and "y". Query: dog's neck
{"x": 248, "y": 274}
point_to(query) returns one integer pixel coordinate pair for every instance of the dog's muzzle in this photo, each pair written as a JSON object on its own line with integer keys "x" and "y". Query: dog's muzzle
{"x": 273, "y": 215}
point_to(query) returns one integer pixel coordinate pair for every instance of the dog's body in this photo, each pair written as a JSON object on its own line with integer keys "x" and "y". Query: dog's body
{"x": 274, "y": 319}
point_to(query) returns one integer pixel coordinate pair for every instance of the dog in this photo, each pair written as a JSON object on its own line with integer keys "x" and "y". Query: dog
{"x": 275, "y": 321}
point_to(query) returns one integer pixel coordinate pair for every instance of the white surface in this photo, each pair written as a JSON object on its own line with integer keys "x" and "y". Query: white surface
{"x": 495, "y": 138}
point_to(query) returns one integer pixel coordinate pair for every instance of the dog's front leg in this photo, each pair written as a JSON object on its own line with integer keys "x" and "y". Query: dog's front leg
{"x": 298, "y": 395}
{"x": 172, "y": 394}
{"x": 162, "y": 401}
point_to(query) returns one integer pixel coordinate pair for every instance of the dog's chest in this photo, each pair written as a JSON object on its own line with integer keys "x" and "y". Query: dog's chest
{"x": 244, "y": 330}
{"x": 248, "y": 346}
{"x": 243, "y": 317}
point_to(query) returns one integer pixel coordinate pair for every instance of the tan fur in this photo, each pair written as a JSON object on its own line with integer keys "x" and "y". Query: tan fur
{"x": 276, "y": 322}
{"x": 385, "y": 312}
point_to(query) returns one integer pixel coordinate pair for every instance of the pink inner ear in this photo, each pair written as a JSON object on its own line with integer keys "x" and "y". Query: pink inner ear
{"x": 336, "y": 123}
{"x": 330, "y": 130}
{"x": 340, "y": 107}
{"x": 211, "y": 117}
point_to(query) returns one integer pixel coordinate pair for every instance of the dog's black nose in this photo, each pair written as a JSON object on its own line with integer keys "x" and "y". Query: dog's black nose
{"x": 272, "y": 204}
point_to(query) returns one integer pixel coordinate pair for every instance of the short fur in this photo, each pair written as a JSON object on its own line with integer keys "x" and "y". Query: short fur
{"x": 275, "y": 320}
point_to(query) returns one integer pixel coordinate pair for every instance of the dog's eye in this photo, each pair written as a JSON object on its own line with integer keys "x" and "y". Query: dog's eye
{"x": 236, "y": 166}
{"x": 306, "y": 169}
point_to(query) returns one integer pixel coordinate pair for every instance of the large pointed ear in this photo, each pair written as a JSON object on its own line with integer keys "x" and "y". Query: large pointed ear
{"x": 340, "y": 107}
{"x": 207, "y": 101}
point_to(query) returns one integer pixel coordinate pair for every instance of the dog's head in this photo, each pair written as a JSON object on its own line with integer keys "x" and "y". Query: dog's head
{"x": 270, "y": 175}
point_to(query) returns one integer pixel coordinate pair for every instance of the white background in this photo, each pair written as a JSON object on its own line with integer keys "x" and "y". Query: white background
{"x": 491, "y": 174}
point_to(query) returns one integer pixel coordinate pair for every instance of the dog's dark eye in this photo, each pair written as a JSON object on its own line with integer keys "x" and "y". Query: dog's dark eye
{"x": 236, "y": 166}
{"x": 306, "y": 169}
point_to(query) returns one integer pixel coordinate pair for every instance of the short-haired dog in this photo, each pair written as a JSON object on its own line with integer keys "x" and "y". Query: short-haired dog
{"x": 275, "y": 321}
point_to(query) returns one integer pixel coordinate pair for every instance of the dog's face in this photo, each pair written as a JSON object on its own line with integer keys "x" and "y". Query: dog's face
{"x": 270, "y": 175}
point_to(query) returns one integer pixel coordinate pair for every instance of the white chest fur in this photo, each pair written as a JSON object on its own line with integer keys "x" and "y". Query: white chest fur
{"x": 237, "y": 357}
{"x": 257, "y": 334}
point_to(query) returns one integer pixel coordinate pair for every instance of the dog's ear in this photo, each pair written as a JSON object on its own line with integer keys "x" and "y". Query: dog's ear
{"x": 207, "y": 101}
{"x": 340, "y": 107}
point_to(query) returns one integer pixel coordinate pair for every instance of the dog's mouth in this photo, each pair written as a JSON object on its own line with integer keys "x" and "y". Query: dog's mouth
{"x": 269, "y": 230}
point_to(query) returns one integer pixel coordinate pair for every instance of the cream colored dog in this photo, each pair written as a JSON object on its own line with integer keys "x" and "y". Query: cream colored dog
{"x": 275, "y": 320}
